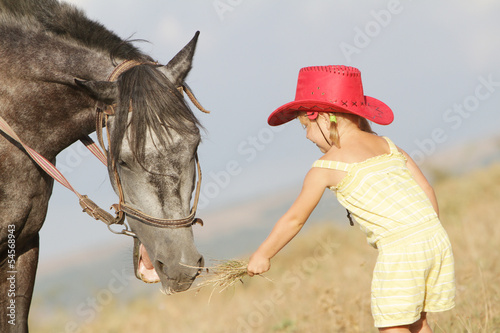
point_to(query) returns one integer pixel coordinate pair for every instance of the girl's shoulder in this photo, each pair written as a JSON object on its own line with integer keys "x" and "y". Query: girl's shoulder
{"x": 337, "y": 166}
{"x": 360, "y": 148}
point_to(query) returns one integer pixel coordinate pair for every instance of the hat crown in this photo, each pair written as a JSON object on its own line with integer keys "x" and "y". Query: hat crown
{"x": 338, "y": 85}
{"x": 334, "y": 69}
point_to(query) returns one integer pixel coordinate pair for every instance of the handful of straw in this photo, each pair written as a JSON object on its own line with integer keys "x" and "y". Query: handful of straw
{"x": 225, "y": 274}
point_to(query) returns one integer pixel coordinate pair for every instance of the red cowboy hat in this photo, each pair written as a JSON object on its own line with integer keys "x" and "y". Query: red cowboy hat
{"x": 331, "y": 89}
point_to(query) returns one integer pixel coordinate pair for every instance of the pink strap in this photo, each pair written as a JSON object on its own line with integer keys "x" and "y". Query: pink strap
{"x": 45, "y": 164}
{"x": 39, "y": 159}
{"x": 94, "y": 149}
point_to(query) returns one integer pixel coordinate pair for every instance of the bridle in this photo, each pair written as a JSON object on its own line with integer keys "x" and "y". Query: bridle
{"x": 102, "y": 113}
{"x": 121, "y": 209}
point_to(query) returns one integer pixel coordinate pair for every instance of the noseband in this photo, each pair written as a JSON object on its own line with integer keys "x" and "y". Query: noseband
{"x": 103, "y": 112}
{"x": 122, "y": 208}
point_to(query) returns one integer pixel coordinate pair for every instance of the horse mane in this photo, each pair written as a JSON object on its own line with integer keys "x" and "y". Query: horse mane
{"x": 68, "y": 22}
{"x": 156, "y": 105}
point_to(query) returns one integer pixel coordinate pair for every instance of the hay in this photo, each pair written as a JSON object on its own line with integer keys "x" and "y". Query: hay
{"x": 225, "y": 274}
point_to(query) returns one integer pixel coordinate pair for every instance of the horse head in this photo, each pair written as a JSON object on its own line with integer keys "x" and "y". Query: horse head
{"x": 153, "y": 140}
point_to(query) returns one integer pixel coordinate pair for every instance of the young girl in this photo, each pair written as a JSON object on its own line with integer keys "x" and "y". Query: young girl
{"x": 380, "y": 186}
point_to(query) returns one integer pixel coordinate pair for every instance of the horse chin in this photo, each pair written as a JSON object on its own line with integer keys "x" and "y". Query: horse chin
{"x": 167, "y": 291}
{"x": 144, "y": 269}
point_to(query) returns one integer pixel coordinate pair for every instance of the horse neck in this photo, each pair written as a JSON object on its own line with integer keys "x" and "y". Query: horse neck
{"x": 48, "y": 111}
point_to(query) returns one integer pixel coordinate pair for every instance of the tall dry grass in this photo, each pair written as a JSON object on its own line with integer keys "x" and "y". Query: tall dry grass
{"x": 321, "y": 281}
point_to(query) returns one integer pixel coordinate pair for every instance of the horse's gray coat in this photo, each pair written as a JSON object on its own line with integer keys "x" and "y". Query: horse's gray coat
{"x": 53, "y": 64}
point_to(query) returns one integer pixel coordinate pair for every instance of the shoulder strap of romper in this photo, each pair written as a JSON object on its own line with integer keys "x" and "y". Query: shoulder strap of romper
{"x": 334, "y": 165}
{"x": 392, "y": 146}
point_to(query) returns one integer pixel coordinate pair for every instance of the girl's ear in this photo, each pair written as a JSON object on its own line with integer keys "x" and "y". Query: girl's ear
{"x": 325, "y": 117}
{"x": 321, "y": 116}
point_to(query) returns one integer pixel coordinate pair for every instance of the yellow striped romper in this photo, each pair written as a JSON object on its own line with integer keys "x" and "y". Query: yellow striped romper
{"x": 414, "y": 272}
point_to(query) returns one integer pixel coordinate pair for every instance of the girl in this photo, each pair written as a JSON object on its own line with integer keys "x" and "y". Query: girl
{"x": 383, "y": 189}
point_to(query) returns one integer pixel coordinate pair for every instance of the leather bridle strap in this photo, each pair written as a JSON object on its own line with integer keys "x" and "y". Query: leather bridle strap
{"x": 169, "y": 223}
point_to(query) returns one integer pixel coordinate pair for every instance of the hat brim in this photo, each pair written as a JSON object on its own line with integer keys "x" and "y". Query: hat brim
{"x": 373, "y": 110}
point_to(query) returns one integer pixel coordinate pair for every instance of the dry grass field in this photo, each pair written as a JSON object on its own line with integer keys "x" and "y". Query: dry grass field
{"x": 321, "y": 281}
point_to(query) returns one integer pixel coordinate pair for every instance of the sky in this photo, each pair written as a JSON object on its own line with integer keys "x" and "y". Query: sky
{"x": 435, "y": 63}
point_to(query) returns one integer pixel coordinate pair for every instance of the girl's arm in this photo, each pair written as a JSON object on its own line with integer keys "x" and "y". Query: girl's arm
{"x": 291, "y": 222}
{"x": 421, "y": 180}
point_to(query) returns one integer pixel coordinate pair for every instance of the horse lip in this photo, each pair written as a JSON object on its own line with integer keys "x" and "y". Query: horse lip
{"x": 145, "y": 268}
{"x": 137, "y": 257}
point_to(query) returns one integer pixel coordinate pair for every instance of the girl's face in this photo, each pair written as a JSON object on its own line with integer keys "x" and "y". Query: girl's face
{"x": 318, "y": 132}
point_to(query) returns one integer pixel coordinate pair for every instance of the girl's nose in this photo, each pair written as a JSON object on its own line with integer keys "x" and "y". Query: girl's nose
{"x": 309, "y": 137}
{"x": 308, "y": 133}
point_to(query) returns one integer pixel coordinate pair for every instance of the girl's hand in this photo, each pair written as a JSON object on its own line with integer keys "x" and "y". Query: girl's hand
{"x": 258, "y": 265}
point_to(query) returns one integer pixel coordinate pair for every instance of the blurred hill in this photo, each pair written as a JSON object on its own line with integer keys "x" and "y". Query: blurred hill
{"x": 461, "y": 158}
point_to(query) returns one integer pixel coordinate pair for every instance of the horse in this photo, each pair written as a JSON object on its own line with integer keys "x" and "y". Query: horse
{"x": 56, "y": 65}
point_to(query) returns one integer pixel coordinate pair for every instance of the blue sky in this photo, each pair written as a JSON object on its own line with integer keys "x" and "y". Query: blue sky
{"x": 435, "y": 63}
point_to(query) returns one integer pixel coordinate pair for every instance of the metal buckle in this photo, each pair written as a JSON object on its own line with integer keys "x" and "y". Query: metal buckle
{"x": 125, "y": 231}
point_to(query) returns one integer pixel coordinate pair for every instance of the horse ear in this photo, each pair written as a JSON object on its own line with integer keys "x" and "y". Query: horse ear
{"x": 103, "y": 91}
{"x": 178, "y": 68}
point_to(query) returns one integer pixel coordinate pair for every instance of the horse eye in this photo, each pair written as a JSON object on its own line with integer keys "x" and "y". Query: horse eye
{"x": 123, "y": 164}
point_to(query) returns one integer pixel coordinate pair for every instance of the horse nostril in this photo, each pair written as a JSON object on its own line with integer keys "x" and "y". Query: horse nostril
{"x": 201, "y": 263}
{"x": 161, "y": 265}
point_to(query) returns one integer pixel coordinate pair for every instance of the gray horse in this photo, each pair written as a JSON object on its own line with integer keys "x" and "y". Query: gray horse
{"x": 54, "y": 67}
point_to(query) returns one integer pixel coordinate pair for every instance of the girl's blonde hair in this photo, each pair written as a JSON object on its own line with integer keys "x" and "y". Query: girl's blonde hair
{"x": 363, "y": 124}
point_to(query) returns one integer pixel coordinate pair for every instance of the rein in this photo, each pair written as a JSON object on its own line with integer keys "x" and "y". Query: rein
{"x": 121, "y": 209}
